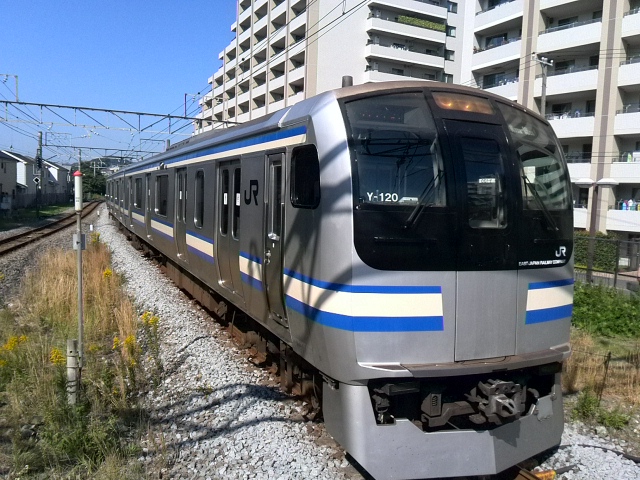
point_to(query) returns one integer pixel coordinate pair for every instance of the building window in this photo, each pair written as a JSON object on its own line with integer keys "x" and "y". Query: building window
{"x": 397, "y": 71}
{"x": 452, "y": 7}
{"x": 449, "y": 55}
{"x": 451, "y": 31}
{"x": 591, "y": 107}
{"x": 496, "y": 40}
{"x": 447, "y": 78}
{"x": 493, "y": 80}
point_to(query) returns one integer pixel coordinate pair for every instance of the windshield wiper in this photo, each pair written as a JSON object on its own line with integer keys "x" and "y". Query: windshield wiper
{"x": 412, "y": 219}
{"x": 547, "y": 215}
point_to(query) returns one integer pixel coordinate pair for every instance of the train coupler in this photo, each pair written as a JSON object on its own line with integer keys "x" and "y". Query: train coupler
{"x": 497, "y": 400}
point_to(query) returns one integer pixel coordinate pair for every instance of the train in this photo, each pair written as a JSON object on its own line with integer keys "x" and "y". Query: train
{"x": 412, "y": 242}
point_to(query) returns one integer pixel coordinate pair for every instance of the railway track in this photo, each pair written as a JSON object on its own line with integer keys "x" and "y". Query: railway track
{"x": 15, "y": 242}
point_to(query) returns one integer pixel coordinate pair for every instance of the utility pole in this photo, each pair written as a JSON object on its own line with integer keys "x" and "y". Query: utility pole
{"x": 544, "y": 63}
{"x": 39, "y": 177}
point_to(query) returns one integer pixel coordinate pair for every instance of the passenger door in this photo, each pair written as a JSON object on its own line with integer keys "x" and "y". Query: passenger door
{"x": 180, "y": 224}
{"x": 147, "y": 204}
{"x": 228, "y": 232}
{"x": 486, "y": 289}
{"x": 273, "y": 241}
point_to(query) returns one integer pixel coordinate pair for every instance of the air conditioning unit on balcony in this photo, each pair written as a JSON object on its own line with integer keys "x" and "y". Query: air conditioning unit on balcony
{"x": 636, "y": 156}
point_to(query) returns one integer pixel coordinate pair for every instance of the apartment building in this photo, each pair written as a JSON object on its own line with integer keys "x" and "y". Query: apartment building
{"x": 590, "y": 50}
{"x": 575, "y": 61}
{"x": 287, "y": 50}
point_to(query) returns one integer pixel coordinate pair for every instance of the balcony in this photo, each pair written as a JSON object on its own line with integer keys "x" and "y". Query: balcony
{"x": 390, "y": 75}
{"x": 498, "y": 15}
{"x": 572, "y": 127}
{"x": 244, "y": 97}
{"x": 258, "y": 112}
{"x": 402, "y": 54}
{"x": 296, "y": 74}
{"x": 579, "y": 170}
{"x": 507, "y": 52}
{"x": 276, "y": 82}
{"x": 631, "y": 23}
{"x": 293, "y": 99}
{"x": 629, "y": 73}
{"x": 297, "y": 22}
{"x": 623, "y": 220}
{"x": 413, "y": 6}
{"x": 580, "y": 217}
{"x": 244, "y": 15}
{"x": 627, "y": 120}
{"x": 404, "y": 30}
{"x": 275, "y": 106}
{"x": 560, "y": 38}
{"x": 260, "y": 24}
{"x": 545, "y": 4}
{"x": 568, "y": 81}
{"x": 626, "y": 172}
{"x": 506, "y": 88}
{"x": 279, "y": 10}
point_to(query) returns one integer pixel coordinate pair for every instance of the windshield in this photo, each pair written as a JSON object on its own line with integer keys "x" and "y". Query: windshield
{"x": 396, "y": 151}
{"x": 545, "y": 182}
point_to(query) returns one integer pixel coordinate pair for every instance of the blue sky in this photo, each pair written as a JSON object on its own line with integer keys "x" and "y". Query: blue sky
{"x": 119, "y": 54}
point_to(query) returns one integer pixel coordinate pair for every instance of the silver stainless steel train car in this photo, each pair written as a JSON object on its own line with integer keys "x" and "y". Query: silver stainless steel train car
{"x": 410, "y": 240}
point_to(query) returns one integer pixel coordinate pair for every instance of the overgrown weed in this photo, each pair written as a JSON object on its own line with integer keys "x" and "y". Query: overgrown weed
{"x": 96, "y": 436}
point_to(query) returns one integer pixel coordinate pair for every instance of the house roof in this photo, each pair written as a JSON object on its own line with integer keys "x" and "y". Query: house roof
{"x": 18, "y": 157}
{"x": 4, "y": 156}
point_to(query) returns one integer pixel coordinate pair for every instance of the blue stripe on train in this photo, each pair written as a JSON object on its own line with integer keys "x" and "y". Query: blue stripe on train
{"x": 367, "y": 324}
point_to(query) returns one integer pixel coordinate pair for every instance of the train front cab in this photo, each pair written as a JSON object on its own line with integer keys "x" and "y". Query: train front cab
{"x": 462, "y": 223}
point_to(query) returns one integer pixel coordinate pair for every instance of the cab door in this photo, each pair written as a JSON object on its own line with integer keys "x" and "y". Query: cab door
{"x": 273, "y": 239}
{"x": 486, "y": 289}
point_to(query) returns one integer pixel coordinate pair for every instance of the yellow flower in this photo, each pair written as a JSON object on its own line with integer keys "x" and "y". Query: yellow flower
{"x": 130, "y": 342}
{"x": 2, "y": 362}
{"x": 107, "y": 273}
{"x": 116, "y": 343}
{"x": 145, "y": 317}
{"x": 153, "y": 321}
{"x": 1, "y": 276}
{"x": 56, "y": 357}
{"x": 13, "y": 342}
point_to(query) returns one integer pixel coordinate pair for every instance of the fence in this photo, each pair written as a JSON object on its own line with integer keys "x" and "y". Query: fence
{"x": 615, "y": 263}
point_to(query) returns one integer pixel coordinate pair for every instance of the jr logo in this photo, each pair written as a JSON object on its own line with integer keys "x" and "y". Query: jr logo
{"x": 561, "y": 252}
{"x": 252, "y": 192}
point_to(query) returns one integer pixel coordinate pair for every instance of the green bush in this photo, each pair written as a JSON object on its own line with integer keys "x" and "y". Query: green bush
{"x": 605, "y": 251}
{"x": 588, "y": 410}
{"x": 418, "y": 22}
{"x": 605, "y": 311}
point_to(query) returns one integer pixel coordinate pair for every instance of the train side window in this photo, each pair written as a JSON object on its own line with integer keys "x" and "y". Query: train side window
{"x": 199, "y": 212}
{"x": 224, "y": 204}
{"x": 305, "y": 177}
{"x": 138, "y": 194}
{"x": 545, "y": 180}
{"x": 235, "y": 220}
{"x": 162, "y": 194}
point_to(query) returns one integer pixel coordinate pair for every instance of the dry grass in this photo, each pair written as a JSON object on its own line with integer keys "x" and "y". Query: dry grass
{"x": 587, "y": 369}
{"x": 86, "y": 438}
